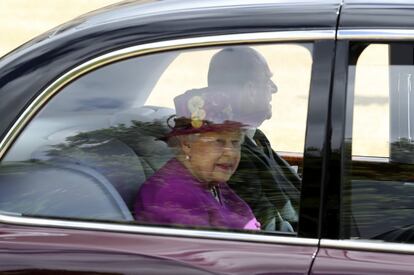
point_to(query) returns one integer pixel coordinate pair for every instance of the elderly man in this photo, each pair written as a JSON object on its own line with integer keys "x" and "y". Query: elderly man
{"x": 263, "y": 179}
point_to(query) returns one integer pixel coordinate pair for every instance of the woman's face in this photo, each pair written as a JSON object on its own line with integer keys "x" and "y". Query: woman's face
{"x": 214, "y": 156}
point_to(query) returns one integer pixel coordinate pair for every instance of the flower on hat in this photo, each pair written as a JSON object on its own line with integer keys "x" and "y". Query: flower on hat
{"x": 216, "y": 109}
{"x": 195, "y": 103}
{"x": 195, "y": 106}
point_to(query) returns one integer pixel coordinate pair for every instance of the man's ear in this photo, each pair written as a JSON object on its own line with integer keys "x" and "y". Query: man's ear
{"x": 250, "y": 91}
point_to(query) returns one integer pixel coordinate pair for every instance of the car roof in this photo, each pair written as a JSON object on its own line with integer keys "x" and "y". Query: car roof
{"x": 378, "y": 14}
{"x": 144, "y": 8}
{"x": 178, "y": 15}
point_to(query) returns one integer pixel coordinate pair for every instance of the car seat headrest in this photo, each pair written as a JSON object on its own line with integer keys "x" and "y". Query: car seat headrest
{"x": 142, "y": 114}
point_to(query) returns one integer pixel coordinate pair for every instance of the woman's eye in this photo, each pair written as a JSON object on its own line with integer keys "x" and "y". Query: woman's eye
{"x": 221, "y": 142}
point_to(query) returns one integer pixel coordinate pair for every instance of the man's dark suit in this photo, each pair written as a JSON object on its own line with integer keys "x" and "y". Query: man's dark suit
{"x": 265, "y": 181}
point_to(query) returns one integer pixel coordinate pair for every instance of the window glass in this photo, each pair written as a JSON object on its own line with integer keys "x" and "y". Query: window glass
{"x": 371, "y": 103}
{"x": 206, "y": 138}
{"x": 377, "y": 188}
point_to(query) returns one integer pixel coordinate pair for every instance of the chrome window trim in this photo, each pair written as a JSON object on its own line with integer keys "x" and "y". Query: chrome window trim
{"x": 368, "y": 245}
{"x": 219, "y": 40}
{"x": 160, "y": 231}
{"x": 58, "y": 84}
{"x": 376, "y": 34}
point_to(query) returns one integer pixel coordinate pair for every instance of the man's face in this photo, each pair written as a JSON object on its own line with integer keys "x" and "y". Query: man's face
{"x": 264, "y": 92}
{"x": 259, "y": 91}
{"x": 245, "y": 75}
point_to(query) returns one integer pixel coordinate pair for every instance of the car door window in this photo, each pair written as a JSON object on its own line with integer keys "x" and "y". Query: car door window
{"x": 206, "y": 138}
{"x": 378, "y": 183}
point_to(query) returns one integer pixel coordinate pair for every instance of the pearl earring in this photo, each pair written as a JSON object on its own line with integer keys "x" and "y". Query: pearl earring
{"x": 187, "y": 157}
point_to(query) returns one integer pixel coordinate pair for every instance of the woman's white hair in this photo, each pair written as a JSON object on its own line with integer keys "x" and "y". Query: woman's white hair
{"x": 175, "y": 142}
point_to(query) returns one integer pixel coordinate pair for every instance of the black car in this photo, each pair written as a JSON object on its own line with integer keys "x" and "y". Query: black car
{"x": 318, "y": 147}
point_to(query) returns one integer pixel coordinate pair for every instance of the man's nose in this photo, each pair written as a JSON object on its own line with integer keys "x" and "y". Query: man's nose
{"x": 273, "y": 86}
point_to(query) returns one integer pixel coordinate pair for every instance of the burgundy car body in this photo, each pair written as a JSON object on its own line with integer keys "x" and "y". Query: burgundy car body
{"x": 32, "y": 245}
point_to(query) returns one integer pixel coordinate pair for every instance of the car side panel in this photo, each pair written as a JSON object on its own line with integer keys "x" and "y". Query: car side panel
{"x": 342, "y": 261}
{"x": 45, "y": 250}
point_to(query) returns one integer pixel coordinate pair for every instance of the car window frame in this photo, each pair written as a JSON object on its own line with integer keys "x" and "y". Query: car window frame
{"x": 350, "y": 40}
{"x": 315, "y": 154}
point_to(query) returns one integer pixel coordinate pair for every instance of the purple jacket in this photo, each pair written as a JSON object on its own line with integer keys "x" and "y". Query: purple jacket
{"x": 173, "y": 196}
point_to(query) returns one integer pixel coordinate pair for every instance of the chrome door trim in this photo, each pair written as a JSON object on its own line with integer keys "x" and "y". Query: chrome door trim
{"x": 368, "y": 245}
{"x": 160, "y": 231}
{"x": 245, "y": 38}
{"x": 376, "y": 34}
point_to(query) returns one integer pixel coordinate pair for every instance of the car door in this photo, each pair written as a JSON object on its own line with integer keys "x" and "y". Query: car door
{"x": 91, "y": 135}
{"x": 368, "y": 204}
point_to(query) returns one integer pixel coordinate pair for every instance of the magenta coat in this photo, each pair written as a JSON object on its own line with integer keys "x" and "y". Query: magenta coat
{"x": 173, "y": 196}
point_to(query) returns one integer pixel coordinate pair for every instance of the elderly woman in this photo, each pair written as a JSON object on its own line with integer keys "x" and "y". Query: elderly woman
{"x": 191, "y": 188}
